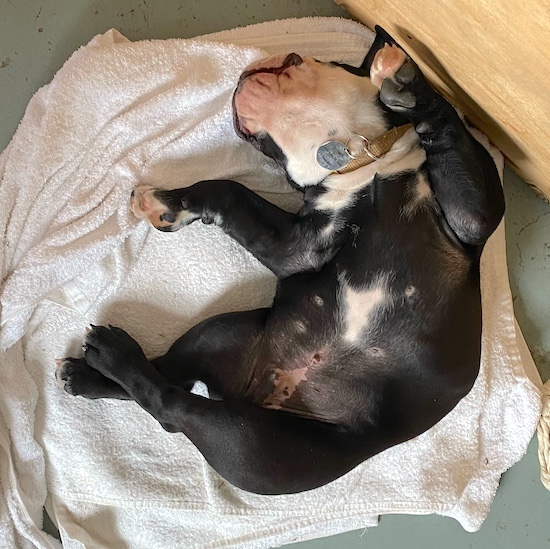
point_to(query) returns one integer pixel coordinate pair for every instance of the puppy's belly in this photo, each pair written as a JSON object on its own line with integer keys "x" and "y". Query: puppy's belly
{"x": 288, "y": 383}
{"x": 317, "y": 384}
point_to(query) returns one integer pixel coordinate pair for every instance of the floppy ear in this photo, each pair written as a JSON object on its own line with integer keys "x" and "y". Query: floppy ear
{"x": 382, "y": 37}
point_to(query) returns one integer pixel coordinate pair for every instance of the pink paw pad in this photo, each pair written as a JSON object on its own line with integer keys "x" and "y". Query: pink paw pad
{"x": 145, "y": 205}
{"x": 386, "y": 63}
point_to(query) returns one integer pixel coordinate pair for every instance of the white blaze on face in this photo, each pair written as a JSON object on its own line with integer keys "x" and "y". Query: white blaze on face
{"x": 302, "y": 106}
{"x": 359, "y": 309}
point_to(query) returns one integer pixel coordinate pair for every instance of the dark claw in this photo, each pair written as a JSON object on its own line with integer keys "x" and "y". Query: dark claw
{"x": 169, "y": 229}
{"x": 65, "y": 373}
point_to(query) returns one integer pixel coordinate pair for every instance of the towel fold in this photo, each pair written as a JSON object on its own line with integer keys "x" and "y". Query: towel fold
{"x": 120, "y": 114}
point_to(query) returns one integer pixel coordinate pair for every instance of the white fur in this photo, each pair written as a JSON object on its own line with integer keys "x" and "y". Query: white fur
{"x": 303, "y": 107}
{"x": 342, "y": 188}
{"x": 327, "y": 231}
{"x": 422, "y": 197}
{"x": 410, "y": 291}
{"x": 359, "y": 307}
{"x": 301, "y": 150}
{"x": 318, "y": 300}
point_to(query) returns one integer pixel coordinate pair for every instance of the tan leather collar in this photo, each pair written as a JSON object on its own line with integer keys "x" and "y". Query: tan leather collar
{"x": 373, "y": 150}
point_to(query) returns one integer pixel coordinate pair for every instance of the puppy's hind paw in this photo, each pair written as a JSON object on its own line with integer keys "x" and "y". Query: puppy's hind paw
{"x": 76, "y": 378}
{"x": 69, "y": 375}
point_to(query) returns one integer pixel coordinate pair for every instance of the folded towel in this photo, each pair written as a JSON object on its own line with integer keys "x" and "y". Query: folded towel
{"x": 159, "y": 112}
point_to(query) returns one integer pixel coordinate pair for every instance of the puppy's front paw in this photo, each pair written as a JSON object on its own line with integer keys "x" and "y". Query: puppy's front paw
{"x": 153, "y": 204}
{"x": 386, "y": 63}
{"x": 397, "y": 77}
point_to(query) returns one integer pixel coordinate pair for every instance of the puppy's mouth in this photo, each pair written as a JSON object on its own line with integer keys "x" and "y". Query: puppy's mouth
{"x": 240, "y": 130}
{"x": 292, "y": 59}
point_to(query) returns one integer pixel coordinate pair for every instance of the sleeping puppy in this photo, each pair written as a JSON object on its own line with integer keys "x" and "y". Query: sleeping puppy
{"x": 374, "y": 332}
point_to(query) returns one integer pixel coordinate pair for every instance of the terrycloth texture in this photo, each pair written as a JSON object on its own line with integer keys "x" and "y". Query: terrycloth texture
{"x": 158, "y": 112}
{"x": 543, "y": 435}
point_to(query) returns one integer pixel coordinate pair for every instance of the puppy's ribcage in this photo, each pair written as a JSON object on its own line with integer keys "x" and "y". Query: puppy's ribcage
{"x": 335, "y": 337}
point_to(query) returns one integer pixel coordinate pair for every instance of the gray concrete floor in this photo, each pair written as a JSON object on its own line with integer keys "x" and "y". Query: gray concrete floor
{"x": 37, "y": 36}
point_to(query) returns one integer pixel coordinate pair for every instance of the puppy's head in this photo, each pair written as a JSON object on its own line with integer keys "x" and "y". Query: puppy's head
{"x": 287, "y": 107}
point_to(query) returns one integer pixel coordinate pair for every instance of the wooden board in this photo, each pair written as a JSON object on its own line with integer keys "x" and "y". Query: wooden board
{"x": 489, "y": 58}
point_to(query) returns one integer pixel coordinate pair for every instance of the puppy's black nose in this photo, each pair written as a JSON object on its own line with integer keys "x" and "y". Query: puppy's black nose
{"x": 293, "y": 59}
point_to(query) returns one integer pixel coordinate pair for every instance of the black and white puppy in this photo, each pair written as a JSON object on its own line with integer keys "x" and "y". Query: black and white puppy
{"x": 375, "y": 329}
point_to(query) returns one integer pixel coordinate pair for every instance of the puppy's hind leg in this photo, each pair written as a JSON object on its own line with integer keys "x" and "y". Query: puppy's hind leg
{"x": 75, "y": 377}
{"x": 219, "y": 352}
{"x": 259, "y": 450}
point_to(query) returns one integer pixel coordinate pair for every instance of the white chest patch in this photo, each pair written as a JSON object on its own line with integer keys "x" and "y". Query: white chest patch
{"x": 328, "y": 231}
{"x": 359, "y": 308}
{"x": 342, "y": 189}
{"x": 421, "y": 197}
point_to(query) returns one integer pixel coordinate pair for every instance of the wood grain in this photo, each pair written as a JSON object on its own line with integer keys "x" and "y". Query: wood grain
{"x": 490, "y": 58}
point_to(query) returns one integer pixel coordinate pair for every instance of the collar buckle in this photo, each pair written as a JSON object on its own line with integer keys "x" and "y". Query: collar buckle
{"x": 358, "y": 151}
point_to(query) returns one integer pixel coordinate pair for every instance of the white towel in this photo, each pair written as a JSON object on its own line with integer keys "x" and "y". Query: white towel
{"x": 158, "y": 112}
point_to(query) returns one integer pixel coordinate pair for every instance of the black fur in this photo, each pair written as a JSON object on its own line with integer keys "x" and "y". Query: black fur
{"x": 420, "y": 357}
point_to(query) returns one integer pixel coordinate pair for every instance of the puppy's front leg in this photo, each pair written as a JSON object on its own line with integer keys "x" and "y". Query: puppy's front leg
{"x": 286, "y": 243}
{"x": 461, "y": 172}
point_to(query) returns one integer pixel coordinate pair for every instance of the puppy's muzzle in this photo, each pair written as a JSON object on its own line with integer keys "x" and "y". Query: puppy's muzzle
{"x": 292, "y": 59}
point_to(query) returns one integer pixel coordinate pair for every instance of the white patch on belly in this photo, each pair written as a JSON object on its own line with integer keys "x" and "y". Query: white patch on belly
{"x": 359, "y": 307}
